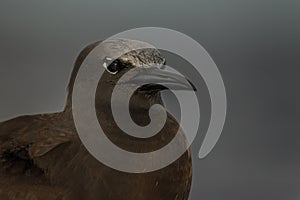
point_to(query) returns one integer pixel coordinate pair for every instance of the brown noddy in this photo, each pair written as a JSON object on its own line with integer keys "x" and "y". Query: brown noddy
{"x": 42, "y": 156}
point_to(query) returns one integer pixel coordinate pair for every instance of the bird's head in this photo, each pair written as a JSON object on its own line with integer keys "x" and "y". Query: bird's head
{"x": 140, "y": 61}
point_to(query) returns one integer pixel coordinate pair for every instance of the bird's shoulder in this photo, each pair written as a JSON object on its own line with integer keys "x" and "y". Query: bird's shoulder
{"x": 25, "y": 138}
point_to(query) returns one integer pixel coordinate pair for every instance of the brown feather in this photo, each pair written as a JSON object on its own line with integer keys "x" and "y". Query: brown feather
{"x": 43, "y": 158}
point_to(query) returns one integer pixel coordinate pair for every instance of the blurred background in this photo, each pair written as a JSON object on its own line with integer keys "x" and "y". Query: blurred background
{"x": 255, "y": 44}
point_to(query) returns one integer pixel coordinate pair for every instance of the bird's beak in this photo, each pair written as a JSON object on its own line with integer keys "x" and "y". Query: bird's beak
{"x": 159, "y": 79}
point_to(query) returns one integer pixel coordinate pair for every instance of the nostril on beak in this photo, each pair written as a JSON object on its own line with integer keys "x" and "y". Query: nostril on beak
{"x": 193, "y": 86}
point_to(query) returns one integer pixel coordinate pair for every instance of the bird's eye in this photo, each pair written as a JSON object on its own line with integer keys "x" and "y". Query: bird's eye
{"x": 113, "y": 67}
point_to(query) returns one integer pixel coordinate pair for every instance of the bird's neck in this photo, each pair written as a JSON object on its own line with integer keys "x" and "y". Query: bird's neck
{"x": 138, "y": 102}
{"x": 139, "y": 112}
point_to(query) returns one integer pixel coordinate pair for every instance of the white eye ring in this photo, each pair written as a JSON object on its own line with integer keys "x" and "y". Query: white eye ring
{"x": 106, "y": 66}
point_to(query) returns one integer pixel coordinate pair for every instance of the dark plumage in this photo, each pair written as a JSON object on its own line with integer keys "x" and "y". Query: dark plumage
{"x": 42, "y": 156}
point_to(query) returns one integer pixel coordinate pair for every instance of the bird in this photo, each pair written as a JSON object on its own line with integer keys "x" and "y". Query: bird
{"x": 42, "y": 156}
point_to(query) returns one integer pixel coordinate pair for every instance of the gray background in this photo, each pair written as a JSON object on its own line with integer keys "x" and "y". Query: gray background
{"x": 255, "y": 44}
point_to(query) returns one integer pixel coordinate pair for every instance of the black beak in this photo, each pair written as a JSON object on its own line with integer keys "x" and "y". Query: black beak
{"x": 160, "y": 79}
